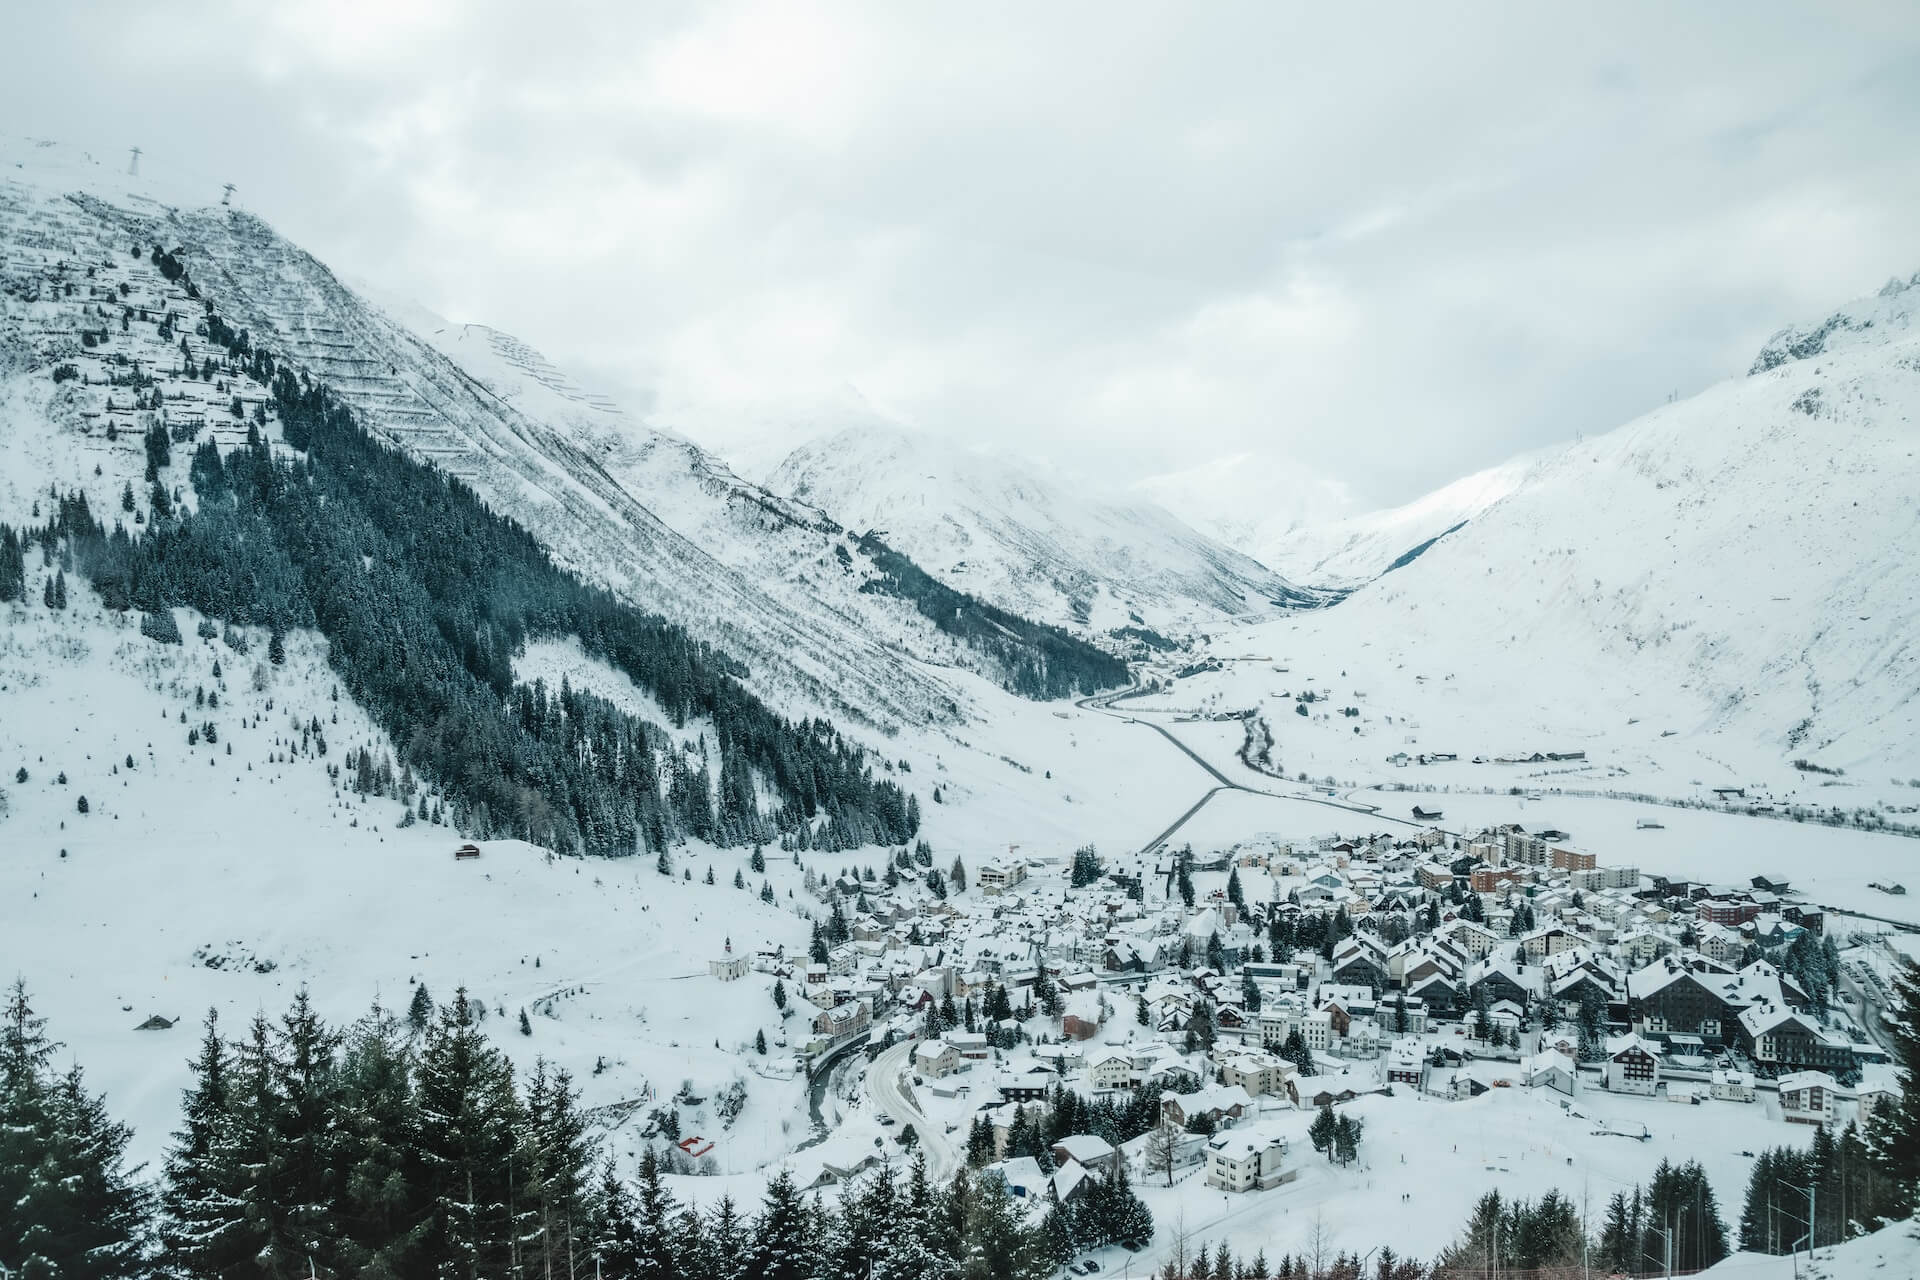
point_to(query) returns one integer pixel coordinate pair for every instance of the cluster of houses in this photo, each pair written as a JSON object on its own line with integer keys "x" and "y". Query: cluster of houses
{"x": 1447, "y": 951}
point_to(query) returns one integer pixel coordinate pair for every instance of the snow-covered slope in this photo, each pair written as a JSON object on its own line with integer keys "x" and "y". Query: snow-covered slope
{"x": 1345, "y": 553}
{"x": 1028, "y": 542}
{"x": 771, "y": 582}
{"x": 1739, "y": 571}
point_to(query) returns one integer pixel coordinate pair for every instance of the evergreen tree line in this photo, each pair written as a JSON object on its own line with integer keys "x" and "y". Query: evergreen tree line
{"x": 405, "y": 1147}
{"x": 1118, "y": 1118}
{"x": 425, "y": 596}
{"x": 1860, "y": 1179}
{"x": 1036, "y": 660}
{"x": 1820, "y": 1196}
{"x": 1674, "y": 1218}
{"x": 1194, "y": 1261}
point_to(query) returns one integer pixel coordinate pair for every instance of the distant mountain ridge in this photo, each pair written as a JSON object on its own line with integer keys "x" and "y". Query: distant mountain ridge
{"x": 1743, "y": 564}
{"x": 1012, "y": 535}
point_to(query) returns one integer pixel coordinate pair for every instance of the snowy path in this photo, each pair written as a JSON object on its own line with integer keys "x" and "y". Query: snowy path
{"x": 886, "y": 1087}
{"x": 1104, "y": 703}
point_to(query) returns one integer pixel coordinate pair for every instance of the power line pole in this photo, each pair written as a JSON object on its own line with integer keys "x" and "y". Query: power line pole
{"x": 1812, "y": 1192}
{"x": 1666, "y": 1239}
{"x": 133, "y": 166}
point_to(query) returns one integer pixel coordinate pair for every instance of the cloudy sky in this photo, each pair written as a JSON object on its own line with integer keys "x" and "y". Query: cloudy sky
{"x": 1325, "y": 258}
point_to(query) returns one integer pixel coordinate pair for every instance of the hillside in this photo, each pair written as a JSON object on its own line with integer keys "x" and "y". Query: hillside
{"x": 1030, "y": 543}
{"x": 1699, "y": 597}
{"x": 1348, "y": 552}
{"x": 776, "y": 585}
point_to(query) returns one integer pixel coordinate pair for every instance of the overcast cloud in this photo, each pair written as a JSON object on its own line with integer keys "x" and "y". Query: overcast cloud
{"x": 1385, "y": 246}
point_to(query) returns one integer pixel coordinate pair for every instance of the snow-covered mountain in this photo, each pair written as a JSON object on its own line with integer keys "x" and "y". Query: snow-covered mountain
{"x": 1029, "y": 542}
{"x": 1740, "y": 569}
{"x": 776, "y": 584}
{"x": 1345, "y": 553}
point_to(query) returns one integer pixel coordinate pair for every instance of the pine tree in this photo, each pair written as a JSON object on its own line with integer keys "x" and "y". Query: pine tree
{"x": 467, "y": 1122}
{"x": 70, "y": 1206}
{"x": 306, "y": 1089}
{"x": 1346, "y": 1139}
{"x": 1893, "y": 1133}
{"x": 1323, "y": 1130}
{"x": 559, "y": 1158}
{"x": 653, "y": 1243}
{"x": 197, "y": 1235}
{"x": 996, "y": 1242}
{"x": 379, "y": 1209}
{"x": 420, "y": 1010}
{"x": 82, "y": 1214}
{"x": 784, "y": 1238}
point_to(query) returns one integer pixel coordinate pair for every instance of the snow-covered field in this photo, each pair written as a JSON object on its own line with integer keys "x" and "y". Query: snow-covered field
{"x": 231, "y": 875}
{"x": 258, "y": 862}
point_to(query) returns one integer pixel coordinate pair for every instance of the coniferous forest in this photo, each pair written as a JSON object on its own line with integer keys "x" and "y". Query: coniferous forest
{"x": 425, "y": 596}
{"x": 1041, "y": 661}
{"x": 405, "y": 1148}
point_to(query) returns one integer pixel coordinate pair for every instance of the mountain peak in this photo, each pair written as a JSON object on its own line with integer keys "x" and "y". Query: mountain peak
{"x": 1865, "y": 322}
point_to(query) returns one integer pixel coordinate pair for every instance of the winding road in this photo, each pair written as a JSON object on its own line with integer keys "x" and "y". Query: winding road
{"x": 888, "y": 1089}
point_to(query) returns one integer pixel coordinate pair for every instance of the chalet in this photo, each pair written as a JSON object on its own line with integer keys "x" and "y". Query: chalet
{"x": 1672, "y": 995}
{"x": 1552, "y": 1070}
{"x": 1333, "y": 1098}
{"x": 1360, "y": 966}
{"x": 970, "y": 1045}
{"x": 1224, "y": 1105}
{"x": 1404, "y": 1064}
{"x": 1551, "y": 940}
{"x": 1426, "y": 815}
{"x": 1032, "y": 1085}
{"x": 1024, "y": 1177}
{"x": 1110, "y": 1069}
{"x": 466, "y": 852}
{"x": 1440, "y": 993}
{"x": 1498, "y": 983}
{"x": 1089, "y": 1151}
{"x": 1633, "y": 1065}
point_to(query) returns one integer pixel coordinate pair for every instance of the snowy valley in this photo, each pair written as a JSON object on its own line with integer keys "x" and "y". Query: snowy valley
{"x": 939, "y": 868}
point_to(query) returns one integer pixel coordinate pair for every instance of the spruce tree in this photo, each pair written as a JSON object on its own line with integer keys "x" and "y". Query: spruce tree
{"x": 420, "y": 1011}
{"x": 83, "y": 1213}
{"x": 198, "y": 1235}
{"x": 614, "y": 1235}
{"x": 653, "y": 1243}
{"x": 379, "y": 1209}
{"x": 560, "y": 1157}
{"x": 467, "y": 1123}
{"x": 784, "y": 1239}
{"x": 1893, "y": 1132}
{"x": 307, "y": 1089}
